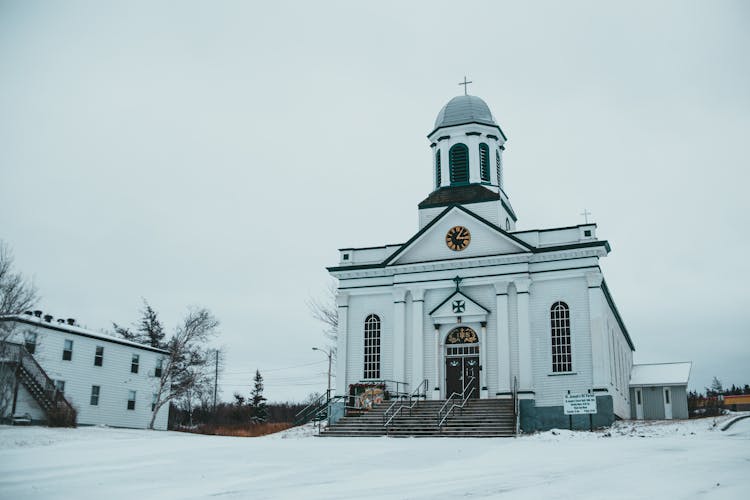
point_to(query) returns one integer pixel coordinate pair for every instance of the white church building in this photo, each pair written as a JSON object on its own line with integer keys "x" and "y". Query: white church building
{"x": 473, "y": 305}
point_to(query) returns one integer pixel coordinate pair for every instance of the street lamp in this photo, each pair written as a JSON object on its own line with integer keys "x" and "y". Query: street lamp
{"x": 327, "y": 353}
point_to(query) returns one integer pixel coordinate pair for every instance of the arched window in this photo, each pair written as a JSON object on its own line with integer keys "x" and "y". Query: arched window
{"x": 438, "y": 178}
{"x": 507, "y": 224}
{"x": 562, "y": 359}
{"x": 458, "y": 156}
{"x": 499, "y": 167}
{"x": 372, "y": 346}
{"x": 484, "y": 162}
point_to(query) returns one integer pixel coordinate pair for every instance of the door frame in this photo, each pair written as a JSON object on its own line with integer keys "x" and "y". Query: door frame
{"x": 444, "y": 356}
{"x": 666, "y": 394}
{"x": 638, "y": 403}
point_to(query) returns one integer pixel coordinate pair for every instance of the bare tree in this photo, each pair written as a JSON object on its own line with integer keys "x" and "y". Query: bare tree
{"x": 17, "y": 295}
{"x": 325, "y": 311}
{"x": 181, "y": 370}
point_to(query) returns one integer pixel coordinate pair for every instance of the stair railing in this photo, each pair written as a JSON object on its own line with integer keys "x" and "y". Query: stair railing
{"x": 17, "y": 353}
{"x": 516, "y": 409}
{"x": 464, "y": 398}
{"x": 310, "y": 411}
{"x": 419, "y": 392}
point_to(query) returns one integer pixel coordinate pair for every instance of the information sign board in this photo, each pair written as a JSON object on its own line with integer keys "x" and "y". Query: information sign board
{"x": 579, "y": 404}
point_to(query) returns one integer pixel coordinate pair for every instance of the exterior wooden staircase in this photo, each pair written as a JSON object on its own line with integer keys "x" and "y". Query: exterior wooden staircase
{"x": 36, "y": 380}
{"x": 478, "y": 418}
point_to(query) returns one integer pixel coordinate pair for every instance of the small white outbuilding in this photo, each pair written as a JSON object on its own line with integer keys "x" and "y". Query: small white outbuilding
{"x": 659, "y": 391}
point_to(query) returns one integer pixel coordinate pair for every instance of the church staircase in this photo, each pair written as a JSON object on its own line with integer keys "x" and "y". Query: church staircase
{"x": 479, "y": 418}
{"x": 36, "y": 381}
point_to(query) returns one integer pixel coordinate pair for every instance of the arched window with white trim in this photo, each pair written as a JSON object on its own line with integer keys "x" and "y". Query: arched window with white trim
{"x": 372, "y": 347}
{"x": 562, "y": 358}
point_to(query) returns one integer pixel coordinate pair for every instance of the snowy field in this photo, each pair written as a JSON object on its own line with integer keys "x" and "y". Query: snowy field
{"x": 685, "y": 459}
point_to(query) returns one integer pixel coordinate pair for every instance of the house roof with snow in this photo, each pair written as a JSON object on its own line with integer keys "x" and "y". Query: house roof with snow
{"x": 76, "y": 330}
{"x": 661, "y": 374}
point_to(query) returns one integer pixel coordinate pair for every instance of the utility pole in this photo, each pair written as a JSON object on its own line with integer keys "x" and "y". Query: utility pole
{"x": 327, "y": 353}
{"x": 216, "y": 376}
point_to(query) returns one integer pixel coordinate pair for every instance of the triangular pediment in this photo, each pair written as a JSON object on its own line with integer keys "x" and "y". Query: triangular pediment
{"x": 458, "y": 307}
{"x": 432, "y": 242}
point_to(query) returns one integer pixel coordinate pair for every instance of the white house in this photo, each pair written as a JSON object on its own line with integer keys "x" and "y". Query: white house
{"x": 472, "y": 304}
{"x": 108, "y": 380}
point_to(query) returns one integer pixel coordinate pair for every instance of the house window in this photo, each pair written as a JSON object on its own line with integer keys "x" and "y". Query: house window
{"x": 666, "y": 396}
{"x": 94, "y": 395}
{"x": 131, "y": 400}
{"x": 60, "y": 386}
{"x": 638, "y": 396}
{"x": 562, "y": 360}
{"x": 372, "y": 347}
{"x": 587, "y": 232}
{"x": 458, "y": 156}
{"x": 134, "y": 364}
{"x": 68, "y": 350}
{"x": 438, "y": 178}
{"x": 99, "y": 356}
{"x": 507, "y": 224}
{"x": 159, "y": 367}
{"x": 484, "y": 162}
{"x": 29, "y": 342}
{"x": 153, "y": 401}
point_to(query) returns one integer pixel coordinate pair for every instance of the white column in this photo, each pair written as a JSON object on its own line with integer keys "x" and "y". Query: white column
{"x": 438, "y": 361}
{"x": 399, "y": 336}
{"x": 503, "y": 337}
{"x": 342, "y": 334}
{"x": 483, "y": 392}
{"x": 525, "y": 382}
{"x": 417, "y": 339}
{"x": 599, "y": 355}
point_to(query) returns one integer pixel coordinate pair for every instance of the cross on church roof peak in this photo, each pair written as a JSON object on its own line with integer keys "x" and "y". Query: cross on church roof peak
{"x": 458, "y": 281}
{"x": 466, "y": 85}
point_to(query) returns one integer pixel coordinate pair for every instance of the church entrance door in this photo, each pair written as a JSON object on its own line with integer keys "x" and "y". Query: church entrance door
{"x": 462, "y": 363}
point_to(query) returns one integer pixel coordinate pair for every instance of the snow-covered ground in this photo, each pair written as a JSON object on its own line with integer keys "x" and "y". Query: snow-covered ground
{"x": 684, "y": 459}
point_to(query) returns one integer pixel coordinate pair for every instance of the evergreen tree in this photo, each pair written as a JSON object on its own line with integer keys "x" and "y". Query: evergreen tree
{"x": 716, "y": 386}
{"x": 150, "y": 329}
{"x": 257, "y": 401}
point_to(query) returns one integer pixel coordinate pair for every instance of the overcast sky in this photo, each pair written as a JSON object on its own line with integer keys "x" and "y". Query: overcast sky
{"x": 219, "y": 153}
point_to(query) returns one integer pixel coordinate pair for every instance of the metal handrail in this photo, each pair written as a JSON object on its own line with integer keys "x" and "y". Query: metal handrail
{"x": 19, "y": 354}
{"x": 308, "y": 412}
{"x": 416, "y": 395}
{"x": 516, "y": 409}
{"x": 465, "y": 397}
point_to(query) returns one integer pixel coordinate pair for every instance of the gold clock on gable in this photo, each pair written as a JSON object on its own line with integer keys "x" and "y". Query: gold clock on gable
{"x": 458, "y": 238}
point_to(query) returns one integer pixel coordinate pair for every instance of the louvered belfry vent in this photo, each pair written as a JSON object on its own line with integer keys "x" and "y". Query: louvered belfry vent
{"x": 484, "y": 162}
{"x": 459, "y": 164}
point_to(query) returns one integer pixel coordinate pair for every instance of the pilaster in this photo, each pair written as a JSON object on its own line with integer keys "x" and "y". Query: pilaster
{"x": 525, "y": 381}
{"x": 417, "y": 338}
{"x": 399, "y": 334}
{"x": 342, "y": 342}
{"x": 503, "y": 337}
{"x": 599, "y": 356}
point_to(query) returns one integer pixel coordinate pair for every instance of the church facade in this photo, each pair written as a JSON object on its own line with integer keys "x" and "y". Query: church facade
{"x": 472, "y": 305}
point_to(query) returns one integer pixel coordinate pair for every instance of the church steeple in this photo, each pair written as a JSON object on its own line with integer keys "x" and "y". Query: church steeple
{"x": 468, "y": 146}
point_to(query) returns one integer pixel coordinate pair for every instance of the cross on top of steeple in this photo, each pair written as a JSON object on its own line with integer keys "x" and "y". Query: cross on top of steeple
{"x": 466, "y": 84}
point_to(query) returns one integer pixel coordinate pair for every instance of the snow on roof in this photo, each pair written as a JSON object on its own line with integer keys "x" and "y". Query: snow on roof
{"x": 661, "y": 374}
{"x": 64, "y": 327}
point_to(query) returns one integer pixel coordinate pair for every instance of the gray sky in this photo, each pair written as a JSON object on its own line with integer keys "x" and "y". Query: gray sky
{"x": 218, "y": 153}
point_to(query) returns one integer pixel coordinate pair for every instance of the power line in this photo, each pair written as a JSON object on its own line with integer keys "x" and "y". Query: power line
{"x": 262, "y": 370}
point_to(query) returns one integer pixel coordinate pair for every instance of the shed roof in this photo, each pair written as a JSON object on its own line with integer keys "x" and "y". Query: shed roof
{"x": 661, "y": 374}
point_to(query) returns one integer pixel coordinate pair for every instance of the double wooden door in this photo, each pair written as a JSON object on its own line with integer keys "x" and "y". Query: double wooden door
{"x": 462, "y": 373}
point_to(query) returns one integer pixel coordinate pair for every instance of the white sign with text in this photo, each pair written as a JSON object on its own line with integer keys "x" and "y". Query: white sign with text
{"x": 579, "y": 404}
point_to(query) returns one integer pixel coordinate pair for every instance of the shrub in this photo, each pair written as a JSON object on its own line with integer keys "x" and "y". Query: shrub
{"x": 61, "y": 416}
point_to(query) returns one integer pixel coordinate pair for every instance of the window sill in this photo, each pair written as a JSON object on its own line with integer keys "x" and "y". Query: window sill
{"x": 560, "y": 374}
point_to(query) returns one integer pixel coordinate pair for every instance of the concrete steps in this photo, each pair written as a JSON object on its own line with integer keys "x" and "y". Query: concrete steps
{"x": 480, "y": 418}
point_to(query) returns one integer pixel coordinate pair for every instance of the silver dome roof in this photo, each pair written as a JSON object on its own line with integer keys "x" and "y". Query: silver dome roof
{"x": 464, "y": 109}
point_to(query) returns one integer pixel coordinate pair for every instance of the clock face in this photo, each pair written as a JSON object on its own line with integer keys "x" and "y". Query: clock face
{"x": 458, "y": 238}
